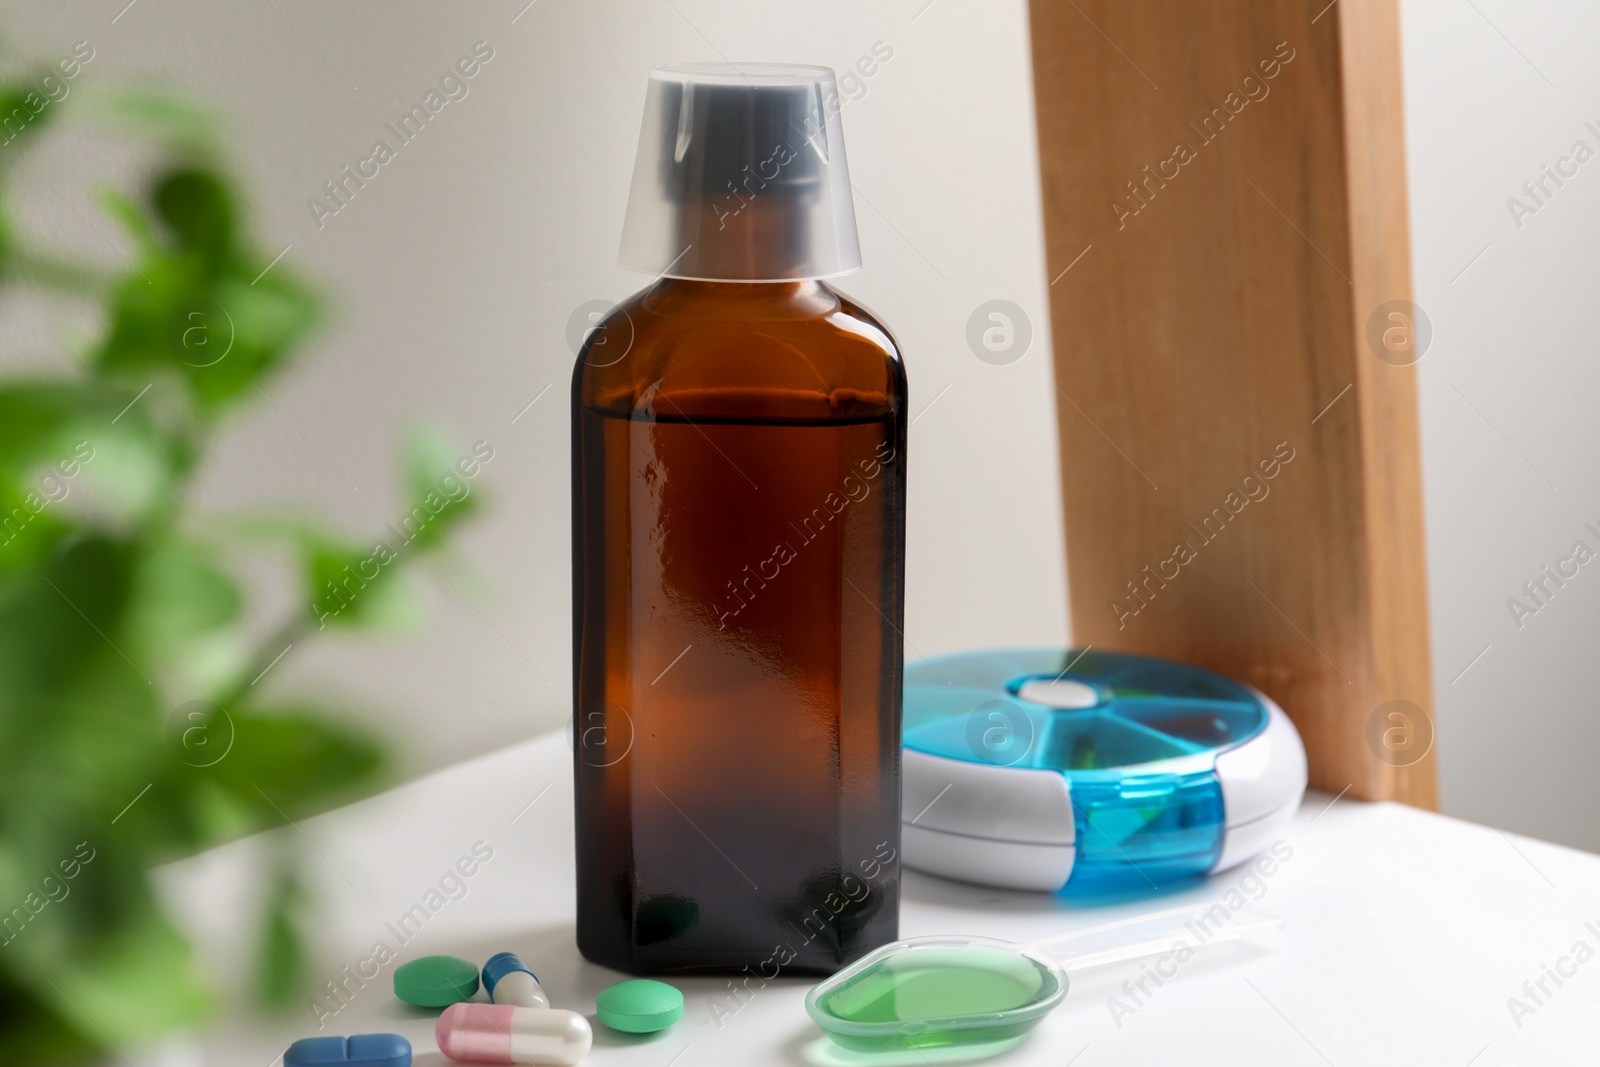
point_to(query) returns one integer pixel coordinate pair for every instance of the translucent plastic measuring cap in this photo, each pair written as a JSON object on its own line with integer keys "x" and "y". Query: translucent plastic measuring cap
{"x": 741, "y": 176}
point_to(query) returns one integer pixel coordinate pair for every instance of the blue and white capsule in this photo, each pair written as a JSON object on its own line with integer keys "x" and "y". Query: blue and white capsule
{"x": 508, "y": 979}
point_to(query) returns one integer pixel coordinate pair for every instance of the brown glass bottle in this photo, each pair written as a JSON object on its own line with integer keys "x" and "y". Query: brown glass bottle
{"x": 738, "y": 540}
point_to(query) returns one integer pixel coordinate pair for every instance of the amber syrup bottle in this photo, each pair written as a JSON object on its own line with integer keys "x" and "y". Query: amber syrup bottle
{"x": 739, "y": 433}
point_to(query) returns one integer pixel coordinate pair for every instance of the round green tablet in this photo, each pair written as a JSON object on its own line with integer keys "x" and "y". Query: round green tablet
{"x": 639, "y": 1006}
{"x": 436, "y": 981}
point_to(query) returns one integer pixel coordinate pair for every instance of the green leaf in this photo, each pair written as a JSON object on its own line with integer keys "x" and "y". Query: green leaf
{"x": 198, "y": 306}
{"x": 351, "y": 586}
{"x": 121, "y": 207}
{"x": 281, "y": 970}
{"x": 125, "y": 473}
{"x": 24, "y": 111}
{"x": 179, "y": 120}
{"x": 34, "y": 416}
{"x": 8, "y": 247}
{"x": 440, "y": 491}
{"x": 180, "y": 595}
{"x": 30, "y": 531}
{"x": 150, "y": 310}
{"x": 293, "y": 760}
{"x": 198, "y": 211}
{"x": 130, "y": 987}
{"x": 240, "y": 332}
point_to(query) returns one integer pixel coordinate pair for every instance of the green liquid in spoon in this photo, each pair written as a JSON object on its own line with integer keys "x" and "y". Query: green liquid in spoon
{"x": 938, "y": 996}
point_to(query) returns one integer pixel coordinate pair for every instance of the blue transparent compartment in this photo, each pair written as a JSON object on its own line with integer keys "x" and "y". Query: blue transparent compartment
{"x": 1145, "y": 831}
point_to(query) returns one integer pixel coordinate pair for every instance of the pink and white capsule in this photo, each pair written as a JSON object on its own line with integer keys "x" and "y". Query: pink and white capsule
{"x": 503, "y": 1033}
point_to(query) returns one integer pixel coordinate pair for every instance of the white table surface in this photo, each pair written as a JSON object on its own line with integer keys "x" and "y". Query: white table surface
{"x": 1406, "y": 935}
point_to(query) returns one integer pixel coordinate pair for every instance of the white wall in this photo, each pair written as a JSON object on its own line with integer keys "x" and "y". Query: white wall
{"x": 445, "y": 312}
{"x": 1497, "y": 89}
{"x": 442, "y": 315}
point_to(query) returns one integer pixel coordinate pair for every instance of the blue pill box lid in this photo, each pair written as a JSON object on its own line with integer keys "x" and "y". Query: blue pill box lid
{"x": 1089, "y": 714}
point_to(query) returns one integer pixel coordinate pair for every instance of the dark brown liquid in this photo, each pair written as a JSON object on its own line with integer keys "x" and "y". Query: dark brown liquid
{"x": 737, "y": 608}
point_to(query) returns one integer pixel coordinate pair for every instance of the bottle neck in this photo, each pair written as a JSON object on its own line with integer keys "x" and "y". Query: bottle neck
{"x": 685, "y": 297}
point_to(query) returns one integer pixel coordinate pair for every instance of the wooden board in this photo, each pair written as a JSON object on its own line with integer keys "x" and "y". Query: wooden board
{"x": 1240, "y": 468}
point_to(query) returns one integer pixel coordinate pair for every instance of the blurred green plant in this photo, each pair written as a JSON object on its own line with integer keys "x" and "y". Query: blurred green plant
{"x": 131, "y": 732}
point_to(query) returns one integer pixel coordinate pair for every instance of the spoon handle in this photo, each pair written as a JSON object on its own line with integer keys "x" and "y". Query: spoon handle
{"x": 1183, "y": 931}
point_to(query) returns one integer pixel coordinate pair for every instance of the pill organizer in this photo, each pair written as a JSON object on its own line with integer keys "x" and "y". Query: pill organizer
{"x": 1084, "y": 771}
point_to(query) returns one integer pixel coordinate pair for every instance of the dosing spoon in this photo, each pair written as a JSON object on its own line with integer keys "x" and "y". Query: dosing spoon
{"x": 926, "y": 992}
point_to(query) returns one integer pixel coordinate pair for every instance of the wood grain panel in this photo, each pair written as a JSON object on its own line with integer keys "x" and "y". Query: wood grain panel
{"x": 1240, "y": 468}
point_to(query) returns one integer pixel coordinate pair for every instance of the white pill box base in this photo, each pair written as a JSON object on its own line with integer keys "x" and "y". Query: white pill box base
{"x": 1013, "y": 827}
{"x": 1263, "y": 781}
{"x": 1005, "y": 864}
